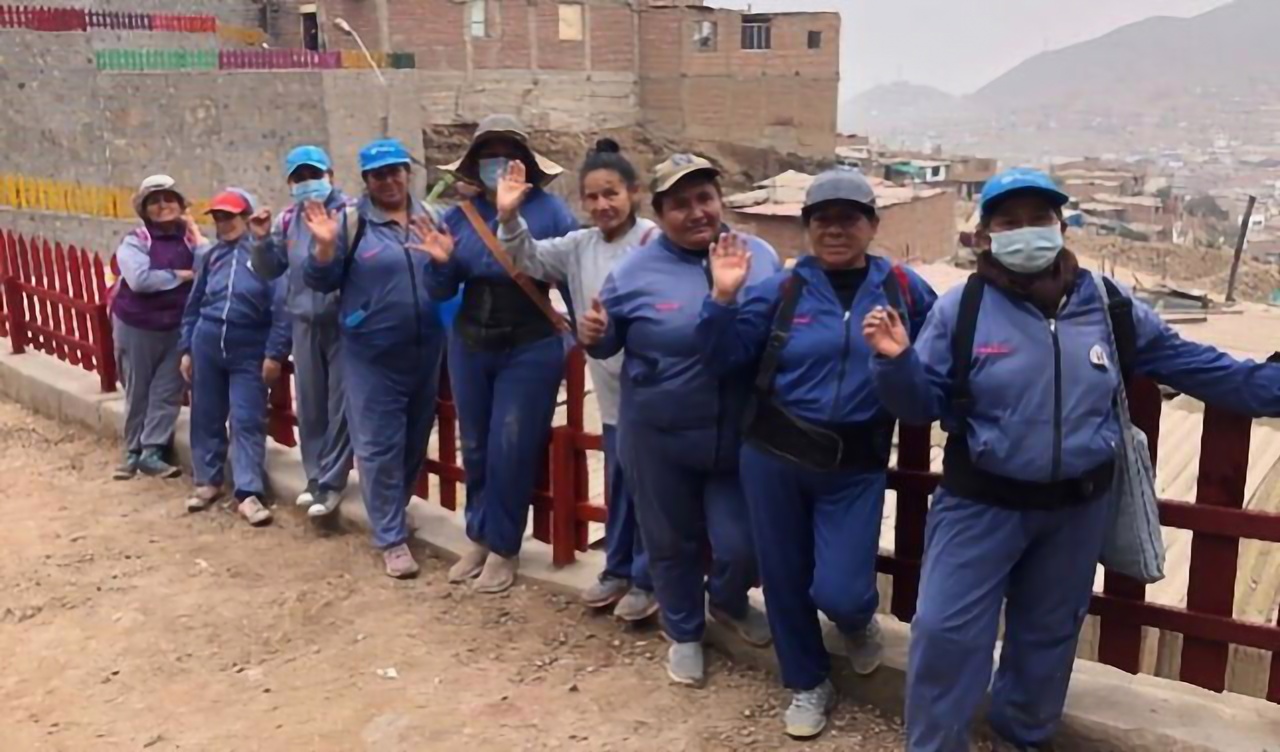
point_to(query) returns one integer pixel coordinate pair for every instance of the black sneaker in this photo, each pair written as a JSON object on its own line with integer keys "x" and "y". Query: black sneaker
{"x": 326, "y": 503}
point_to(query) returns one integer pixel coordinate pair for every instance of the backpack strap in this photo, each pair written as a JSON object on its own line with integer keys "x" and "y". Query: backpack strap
{"x": 286, "y": 220}
{"x": 904, "y": 282}
{"x": 962, "y": 346}
{"x": 1125, "y": 331}
{"x": 352, "y": 214}
{"x": 648, "y": 235}
{"x": 789, "y": 300}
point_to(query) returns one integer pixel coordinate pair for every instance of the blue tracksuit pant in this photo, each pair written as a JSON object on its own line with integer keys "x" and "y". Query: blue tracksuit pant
{"x": 227, "y": 382}
{"x": 977, "y": 556}
{"x": 321, "y": 404}
{"x": 391, "y": 401}
{"x": 506, "y": 400}
{"x": 680, "y": 503}
{"x": 625, "y": 557}
{"x": 817, "y": 535}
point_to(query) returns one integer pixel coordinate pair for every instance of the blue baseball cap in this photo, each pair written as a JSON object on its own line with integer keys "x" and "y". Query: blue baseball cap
{"x": 1021, "y": 179}
{"x": 306, "y": 155}
{"x": 383, "y": 152}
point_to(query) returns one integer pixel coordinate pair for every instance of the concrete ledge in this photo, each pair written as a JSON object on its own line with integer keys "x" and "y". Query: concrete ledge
{"x": 1107, "y": 710}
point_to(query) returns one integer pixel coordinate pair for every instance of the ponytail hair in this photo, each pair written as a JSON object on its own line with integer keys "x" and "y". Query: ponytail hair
{"x": 607, "y": 155}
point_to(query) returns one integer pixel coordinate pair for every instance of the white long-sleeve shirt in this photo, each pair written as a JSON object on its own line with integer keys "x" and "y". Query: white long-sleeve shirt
{"x": 583, "y": 260}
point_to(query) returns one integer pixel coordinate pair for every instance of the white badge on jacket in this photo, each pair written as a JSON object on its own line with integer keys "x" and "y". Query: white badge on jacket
{"x": 1098, "y": 356}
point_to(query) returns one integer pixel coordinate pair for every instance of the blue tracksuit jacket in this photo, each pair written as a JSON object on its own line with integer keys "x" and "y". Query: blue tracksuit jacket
{"x": 229, "y": 294}
{"x": 814, "y": 381}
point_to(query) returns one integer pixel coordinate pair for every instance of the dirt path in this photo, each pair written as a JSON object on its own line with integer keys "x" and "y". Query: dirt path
{"x": 127, "y": 624}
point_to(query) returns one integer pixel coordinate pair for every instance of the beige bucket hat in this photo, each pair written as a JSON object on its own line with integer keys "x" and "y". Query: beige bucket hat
{"x": 503, "y": 126}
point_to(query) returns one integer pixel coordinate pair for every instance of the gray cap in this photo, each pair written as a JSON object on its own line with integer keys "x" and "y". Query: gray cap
{"x": 840, "y": 184}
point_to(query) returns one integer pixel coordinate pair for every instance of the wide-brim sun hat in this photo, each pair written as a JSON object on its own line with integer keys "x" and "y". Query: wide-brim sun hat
{"x": 156, "y": 184}
{"x": 503, "y": 126}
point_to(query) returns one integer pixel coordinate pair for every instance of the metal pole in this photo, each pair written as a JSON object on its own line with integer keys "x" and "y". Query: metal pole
{"x": 1244, "y": 235}
{"x": 386, "y": 88}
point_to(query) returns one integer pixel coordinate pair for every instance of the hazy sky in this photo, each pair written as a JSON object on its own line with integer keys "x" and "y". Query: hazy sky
{"x": 959, "y": 45}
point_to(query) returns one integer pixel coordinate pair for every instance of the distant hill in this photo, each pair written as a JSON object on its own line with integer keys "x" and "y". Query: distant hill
{"x": 1158, "y": 80}
{"x": 885, "y": 105}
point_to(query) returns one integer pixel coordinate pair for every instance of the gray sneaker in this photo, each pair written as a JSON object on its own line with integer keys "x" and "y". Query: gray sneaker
{"x": 753, "y": 627}
{"x": 807, "y": 715}
{"x": 153, "y": 465}
{"x": 202, "y": 498}
{"x": 865, "y": 649}
{"x": 326, "y": 503}
{"x": 638, "y": 605}
{"x": 128, "y": 468}
{"x": 254, "y": 511}
{"x": 605, "y": 592}
{"x": 685, "y": 664}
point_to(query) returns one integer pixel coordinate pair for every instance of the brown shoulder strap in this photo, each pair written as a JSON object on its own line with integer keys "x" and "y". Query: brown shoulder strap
{"x": 500, "y": 253}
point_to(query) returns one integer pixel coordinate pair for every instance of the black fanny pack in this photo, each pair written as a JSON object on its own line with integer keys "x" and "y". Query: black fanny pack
{"x": 962, "y": 478}
{"x": 852, "y": 446}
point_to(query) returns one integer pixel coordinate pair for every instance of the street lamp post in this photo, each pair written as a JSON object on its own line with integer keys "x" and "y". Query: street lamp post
{"x": 345, "y": 28}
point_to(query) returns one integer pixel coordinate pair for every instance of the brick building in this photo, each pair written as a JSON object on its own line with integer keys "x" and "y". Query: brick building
{"x": 683, "y": 70}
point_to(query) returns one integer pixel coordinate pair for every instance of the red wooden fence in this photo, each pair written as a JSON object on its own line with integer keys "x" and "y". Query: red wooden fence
{"x": 54, "y": 301}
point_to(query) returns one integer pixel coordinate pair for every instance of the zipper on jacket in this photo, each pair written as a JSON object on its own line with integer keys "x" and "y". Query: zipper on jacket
{"x": 844, "y": 364}
{"x": 226, "y": 310}
{"x": 1057, "y": 401}
{"x": 715, "y": 451}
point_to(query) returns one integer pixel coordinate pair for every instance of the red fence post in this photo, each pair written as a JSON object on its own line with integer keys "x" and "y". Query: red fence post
{"x": 15, "y": 307}
{"x": 4, "y": 272}
{"x": 1211, "y": 586}
{"x": 912, "y": 511}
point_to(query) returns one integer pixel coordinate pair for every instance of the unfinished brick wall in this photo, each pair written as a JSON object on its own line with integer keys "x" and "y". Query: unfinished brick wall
{"x": 785, "y": 97}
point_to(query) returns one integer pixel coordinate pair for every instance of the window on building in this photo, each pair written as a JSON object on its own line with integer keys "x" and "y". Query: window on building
{"x": 815, "y": 40}
{"x": 572, "y": 26}
{"x": 757, "y": 33}
{"x": 310, "y": 26}
{"x": 704, "y": 36}
{"x": 478, "y": 18}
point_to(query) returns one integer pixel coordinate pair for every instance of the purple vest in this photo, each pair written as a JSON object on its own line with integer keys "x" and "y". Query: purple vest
{"x": 157, "y": 311}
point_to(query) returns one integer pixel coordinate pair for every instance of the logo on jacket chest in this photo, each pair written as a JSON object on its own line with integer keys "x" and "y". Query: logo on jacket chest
{"x": 667, "y": 306}
{"x": 994, "y": 348}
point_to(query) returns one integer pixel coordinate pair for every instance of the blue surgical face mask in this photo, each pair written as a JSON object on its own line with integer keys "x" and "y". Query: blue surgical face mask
{"x": 311, "y": 190}
{"x": 492, "y": 170}
{"x": 1029, "y": 250}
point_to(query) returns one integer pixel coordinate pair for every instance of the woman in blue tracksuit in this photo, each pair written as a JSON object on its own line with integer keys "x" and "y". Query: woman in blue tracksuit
{"x": 817, "y": 439}
{"x": 506, "y": 354}
{"x": 1023, "y": 505}
{"x": 235, "y": 336}
{"x": 392, "y": 339}
{"x": 679, "y": 422}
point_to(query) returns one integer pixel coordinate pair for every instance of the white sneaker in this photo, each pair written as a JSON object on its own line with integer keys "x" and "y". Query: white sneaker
{"x": 254, "y": 512}
{"x": 307, "y": 497}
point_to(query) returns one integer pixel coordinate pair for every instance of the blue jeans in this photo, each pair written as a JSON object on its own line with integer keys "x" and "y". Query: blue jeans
{"x": 506, "y": 400}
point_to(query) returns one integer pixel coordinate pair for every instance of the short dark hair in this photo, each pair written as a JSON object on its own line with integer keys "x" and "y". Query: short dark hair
{"x": 607, "y": 155}
{"x": 700, "y": 177}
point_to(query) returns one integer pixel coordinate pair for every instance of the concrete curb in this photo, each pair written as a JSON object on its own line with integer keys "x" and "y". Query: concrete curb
{"x": 1106, "y": 710}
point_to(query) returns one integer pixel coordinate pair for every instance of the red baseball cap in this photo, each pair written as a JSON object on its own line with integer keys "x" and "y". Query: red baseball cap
{"x": 229, "y": 201}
